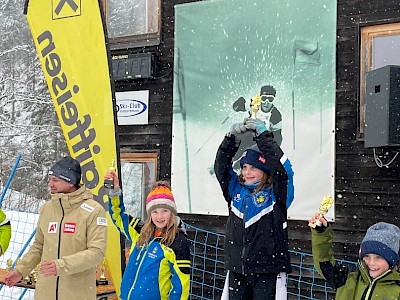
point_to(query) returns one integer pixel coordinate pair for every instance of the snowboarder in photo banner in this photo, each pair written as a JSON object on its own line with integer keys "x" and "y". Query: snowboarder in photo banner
{"x": 376, "y": 276}
{"x": 159, "y": 260}
{"x": 256, "y": 242}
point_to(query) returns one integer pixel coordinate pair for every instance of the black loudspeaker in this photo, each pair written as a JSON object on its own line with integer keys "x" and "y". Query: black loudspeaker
{"x": 382, "y": 115}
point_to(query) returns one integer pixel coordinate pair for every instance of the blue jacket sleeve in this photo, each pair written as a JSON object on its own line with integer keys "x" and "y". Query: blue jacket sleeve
{"x": 130, "y": 227}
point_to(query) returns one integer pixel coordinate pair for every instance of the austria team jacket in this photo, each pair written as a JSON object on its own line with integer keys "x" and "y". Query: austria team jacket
{"x": 154, "y": 271}
{"x": 351, "y": 283}
{"x": 256, "y": 231}
{"x": 72, "y": 231}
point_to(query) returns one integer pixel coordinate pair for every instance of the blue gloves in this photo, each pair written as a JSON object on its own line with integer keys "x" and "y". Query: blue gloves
{"x": 255, "y": 124}
{"x": 249, "y": 124}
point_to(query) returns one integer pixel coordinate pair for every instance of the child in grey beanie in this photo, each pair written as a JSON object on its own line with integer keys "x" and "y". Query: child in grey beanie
{"x": 376, "y": 276}
{"x": 382, "y": 239}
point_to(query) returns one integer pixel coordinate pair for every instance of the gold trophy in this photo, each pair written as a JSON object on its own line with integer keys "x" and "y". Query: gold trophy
{"x": 17, "y": 261}
{"x": 9, "y": 264}
{"x": 35, "y": 273}
{"x": 109, "y": 182}
{"x": 102, "y": 279}
{"x": 27, "y": 279}
{"x": 326, "y": 204}
{"x": 255, "y": 106}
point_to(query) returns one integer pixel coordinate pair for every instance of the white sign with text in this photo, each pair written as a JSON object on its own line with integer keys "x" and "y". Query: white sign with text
{"x": 132, "y": 107}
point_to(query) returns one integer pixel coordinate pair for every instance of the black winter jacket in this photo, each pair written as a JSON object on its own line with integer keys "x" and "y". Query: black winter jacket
{"x": 256, "y": 231}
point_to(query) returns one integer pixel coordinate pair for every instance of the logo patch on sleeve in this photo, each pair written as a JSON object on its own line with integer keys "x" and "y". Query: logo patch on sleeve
{"x": 69, "y": 227}
{"x": 101, "y": 221}
{"x": 87, "y": 207}
{"x": 52, "y": 227}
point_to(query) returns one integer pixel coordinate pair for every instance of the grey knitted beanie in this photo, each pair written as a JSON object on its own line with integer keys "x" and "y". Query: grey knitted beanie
{"x": 67, "y": 169}
{"x": 382, "y": 239}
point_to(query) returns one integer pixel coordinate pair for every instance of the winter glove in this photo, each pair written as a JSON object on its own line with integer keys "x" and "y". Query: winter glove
{"x": 239, "y": 104}
{"x": 255, "y": 124}
{"x": 238, "y": 128}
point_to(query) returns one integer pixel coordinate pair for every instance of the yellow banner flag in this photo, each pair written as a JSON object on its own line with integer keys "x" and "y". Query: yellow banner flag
{"x": 72, "y": 46}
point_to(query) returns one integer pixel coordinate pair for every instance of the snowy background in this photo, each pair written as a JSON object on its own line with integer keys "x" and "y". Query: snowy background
{"x": 23, "y": 225}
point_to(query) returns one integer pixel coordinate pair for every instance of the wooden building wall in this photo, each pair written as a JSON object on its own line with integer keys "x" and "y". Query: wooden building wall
{"x": 364, "y": 193}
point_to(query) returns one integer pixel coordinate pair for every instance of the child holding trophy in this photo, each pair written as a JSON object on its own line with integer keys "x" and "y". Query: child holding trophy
{"x": 159, "y": 262}
{"x": 376, "y": 276}
{"x": 256, "y": 242}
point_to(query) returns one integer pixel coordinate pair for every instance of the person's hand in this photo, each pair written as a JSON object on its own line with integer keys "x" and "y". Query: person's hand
{"x": 255, "y": 124}
{"x": 237, "y": 128}
{"x": 111, "y": 174}
{"x": 239, "y": 104}
{"x": 12, "y": 278}
{"x": 316, "y": 217}
{"x": 48, "y": 268}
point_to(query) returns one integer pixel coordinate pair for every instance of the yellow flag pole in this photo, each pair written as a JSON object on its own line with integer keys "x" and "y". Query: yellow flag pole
{"x": 71, "y": 41}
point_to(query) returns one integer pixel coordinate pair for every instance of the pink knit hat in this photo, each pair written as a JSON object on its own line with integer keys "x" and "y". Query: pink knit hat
{"x": 160, "y": 196}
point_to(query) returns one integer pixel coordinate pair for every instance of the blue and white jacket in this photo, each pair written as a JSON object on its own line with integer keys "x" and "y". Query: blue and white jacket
{"x": 154, "y": 271}
{"x": 256, "y": 231}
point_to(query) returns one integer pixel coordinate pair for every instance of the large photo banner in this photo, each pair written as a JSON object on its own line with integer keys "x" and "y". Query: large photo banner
{"x": 71, "y": 43}
{"x": 227, "y": 52}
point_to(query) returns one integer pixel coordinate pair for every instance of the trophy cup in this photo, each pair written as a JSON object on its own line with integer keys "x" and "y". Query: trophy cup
{"x": 9, "y": 264}
{"x": 35, "y": 273}
{"x": 17, "y": 261}
{"x": 102, "y": 279}
{"x": 27, "y": 279}
{"x": 255, "y": 106}
{"x": 326, "y": 203}
{"x": 109, "y": 182}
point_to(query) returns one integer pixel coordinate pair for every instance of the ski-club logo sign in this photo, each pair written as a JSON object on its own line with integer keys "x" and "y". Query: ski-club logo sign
{"x": 132, "y": 107}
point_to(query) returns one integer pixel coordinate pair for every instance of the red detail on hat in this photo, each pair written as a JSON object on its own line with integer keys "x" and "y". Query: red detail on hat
{"x": 262, "y": 159}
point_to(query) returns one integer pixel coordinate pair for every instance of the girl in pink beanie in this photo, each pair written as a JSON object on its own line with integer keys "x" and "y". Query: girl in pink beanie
{"x": 159, "y": 261}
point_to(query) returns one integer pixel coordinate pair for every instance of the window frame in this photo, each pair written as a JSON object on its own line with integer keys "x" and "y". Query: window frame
{"x": 145, "y": 158}
{"x": 134, "y": 41}
{"x": 367, "y": 33}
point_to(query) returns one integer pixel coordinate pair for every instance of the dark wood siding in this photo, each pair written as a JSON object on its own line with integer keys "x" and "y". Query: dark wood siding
{"x": 364, "y": 193}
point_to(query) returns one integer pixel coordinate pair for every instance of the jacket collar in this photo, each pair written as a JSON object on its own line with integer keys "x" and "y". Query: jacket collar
{"x": 72, "y": 199}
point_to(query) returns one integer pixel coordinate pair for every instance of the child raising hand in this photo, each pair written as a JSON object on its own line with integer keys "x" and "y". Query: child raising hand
{"x": 376, "y": 276}
{"x": 159, "y": 262}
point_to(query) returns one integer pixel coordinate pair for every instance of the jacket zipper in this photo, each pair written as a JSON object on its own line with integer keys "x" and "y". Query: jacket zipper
{"x": 59, "y": 245}
{"x": 372, "y": 285}
{"x": 140, "y": 265}
{"x": 246, "y": 199}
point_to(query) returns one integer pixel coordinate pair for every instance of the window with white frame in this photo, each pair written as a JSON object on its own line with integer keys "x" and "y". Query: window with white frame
{"x": 379, "y": 47}
{"x": 133, "y": 23}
